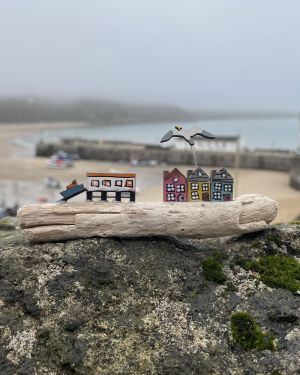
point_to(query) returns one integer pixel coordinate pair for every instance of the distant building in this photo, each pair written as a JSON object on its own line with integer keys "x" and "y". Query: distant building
{"x": 220, "y": 144}
{"x": 221, "y": 186}
{"x": 175, "y": 186}
{"x": 198, "y": 185}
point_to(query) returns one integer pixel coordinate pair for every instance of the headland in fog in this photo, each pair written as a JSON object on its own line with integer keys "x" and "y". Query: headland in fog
{"x": 35, "y": 110}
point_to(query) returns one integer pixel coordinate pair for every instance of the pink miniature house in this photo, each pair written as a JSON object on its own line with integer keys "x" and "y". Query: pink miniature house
{"x": 175, "y": 186}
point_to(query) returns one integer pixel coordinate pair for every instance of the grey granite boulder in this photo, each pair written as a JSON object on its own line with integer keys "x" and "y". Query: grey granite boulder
{"x": 106, "y": 306}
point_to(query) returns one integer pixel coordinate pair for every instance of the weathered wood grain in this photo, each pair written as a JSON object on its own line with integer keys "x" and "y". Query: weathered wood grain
{"x": 56, "y": 222}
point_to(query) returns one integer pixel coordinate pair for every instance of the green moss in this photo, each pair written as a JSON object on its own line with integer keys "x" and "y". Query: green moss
{"x": 256, "y": 245}
{"x": 295, "y": 222}
{"x": 276, "y": 239}
{"x": 248, "y": 335}
{"x": 277, "y": 271}
{"x": 213, "y": 269}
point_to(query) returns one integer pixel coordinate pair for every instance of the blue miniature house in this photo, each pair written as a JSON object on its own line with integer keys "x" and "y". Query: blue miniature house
{"x": 221, "y": 186}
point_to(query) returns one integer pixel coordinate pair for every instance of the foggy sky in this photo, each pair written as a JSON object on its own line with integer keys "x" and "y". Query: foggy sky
{"x": 225, "y": 54}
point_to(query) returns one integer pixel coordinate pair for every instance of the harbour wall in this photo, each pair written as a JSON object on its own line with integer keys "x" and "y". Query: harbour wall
{"x": 295, "y": 172}
{"x": 118, "y": 151}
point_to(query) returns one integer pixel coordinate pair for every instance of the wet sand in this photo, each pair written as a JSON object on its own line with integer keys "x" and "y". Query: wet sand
{"x": 32, "y": 171}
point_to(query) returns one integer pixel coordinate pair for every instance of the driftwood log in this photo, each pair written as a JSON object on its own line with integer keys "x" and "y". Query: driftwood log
{"x": 65, "y": 221}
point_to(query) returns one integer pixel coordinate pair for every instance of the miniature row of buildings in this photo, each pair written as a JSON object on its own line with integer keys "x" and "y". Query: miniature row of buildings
{"x": 197, "y": 186}
{"x": 103, "y": 186}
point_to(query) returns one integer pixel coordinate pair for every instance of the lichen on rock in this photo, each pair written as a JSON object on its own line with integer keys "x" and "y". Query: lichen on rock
{"x": 143, "y": 306}
{"x": 21, "y": 345}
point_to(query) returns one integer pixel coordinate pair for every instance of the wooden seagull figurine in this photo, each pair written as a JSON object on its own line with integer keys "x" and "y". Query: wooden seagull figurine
{"x": 187, "y": 135}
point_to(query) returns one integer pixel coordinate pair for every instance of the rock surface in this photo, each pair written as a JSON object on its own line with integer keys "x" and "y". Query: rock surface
{"x": 106, "y": 306}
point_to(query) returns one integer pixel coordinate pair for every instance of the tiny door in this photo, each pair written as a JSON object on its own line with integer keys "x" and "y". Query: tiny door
{"x": 180, "y": 198}
{"x": 227, "y": 197}
{"x": 205, "y": 197}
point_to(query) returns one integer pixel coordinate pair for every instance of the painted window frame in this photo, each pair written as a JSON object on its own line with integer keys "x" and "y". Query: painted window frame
{"x": 226, "y": 186}
{"x": 129, "y": 183}
{"x": 170, "y": 188}
{"x": 106, "y": 183}
{"x": 217, "y": 195}
{"x": 194, "y": 185}
{"x": 93, "y": 183}
{"x": 180, "y": 188}
{"x": 218, "y": 186}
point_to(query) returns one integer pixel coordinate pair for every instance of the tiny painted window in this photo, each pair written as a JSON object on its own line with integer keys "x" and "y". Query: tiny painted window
{"x": 95, "y": 183}
{"x": 170, "y": 197}
{"x": 175, "y": 179}
{"x": 205, "y": 187}
{"x": 195, "y": 186}
{"x": 106, "y": 183}
{"x": 129, "y": 183}
{"x": 228, "y": 188}
{"x": 170, "y": 187}
{"x": 195, "y": 195}
{"x": 217, "y": 186}
{"x": 217, "y": 195}
{"x": 223, "y": 175}
{"x": 180, "y": 188}
{"x": 118, "y": 183}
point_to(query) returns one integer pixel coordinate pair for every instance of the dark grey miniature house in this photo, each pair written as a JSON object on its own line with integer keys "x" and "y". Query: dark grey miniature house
{"x": 221, "y": 186}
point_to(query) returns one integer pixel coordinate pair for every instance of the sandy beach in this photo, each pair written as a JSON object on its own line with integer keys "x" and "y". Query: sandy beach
{"x": 30, "y": 172}
{"x": 10, "y": 132}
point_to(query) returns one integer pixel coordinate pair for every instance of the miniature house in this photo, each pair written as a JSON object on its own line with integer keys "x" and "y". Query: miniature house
{"x": 221, "y": 186}
{"x": 175, "y": 186}
{"x": 198, "y": 185}
{"x": 121, "y": 185}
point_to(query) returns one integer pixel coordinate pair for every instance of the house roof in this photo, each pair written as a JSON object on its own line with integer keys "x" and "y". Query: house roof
{"x": 221, "y": 175}
{"x": 124, "y": 175}
{"x": 173, "y": 172}
{"x": 197, "y": 175}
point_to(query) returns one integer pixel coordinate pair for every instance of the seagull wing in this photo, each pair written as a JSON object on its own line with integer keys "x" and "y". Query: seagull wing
{"x": 167, "y": 136}
{"x": 203, "y": 133}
